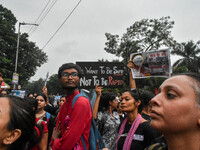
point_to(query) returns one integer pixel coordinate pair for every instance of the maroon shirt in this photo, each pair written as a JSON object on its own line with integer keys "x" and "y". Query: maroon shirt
{"x": 80, "y": 122}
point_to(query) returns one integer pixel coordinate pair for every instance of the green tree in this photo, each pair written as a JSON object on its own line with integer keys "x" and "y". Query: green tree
{"x": 143, "y": 35}
{"x": 190, "y": 61}
{"x": 30, "y": 56}
{"x": 34, "y": 87}
{"x": 53, "y": 85}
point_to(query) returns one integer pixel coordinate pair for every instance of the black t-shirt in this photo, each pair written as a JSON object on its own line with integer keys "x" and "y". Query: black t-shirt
{"x": 143, "y": 136}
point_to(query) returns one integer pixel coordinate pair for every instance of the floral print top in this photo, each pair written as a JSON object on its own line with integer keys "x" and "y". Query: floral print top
{"x": 108, "y": 126}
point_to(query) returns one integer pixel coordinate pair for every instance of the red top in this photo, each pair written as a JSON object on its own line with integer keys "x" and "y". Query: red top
{"x": 80, "y": 122}
{"x": 45, "y": 130}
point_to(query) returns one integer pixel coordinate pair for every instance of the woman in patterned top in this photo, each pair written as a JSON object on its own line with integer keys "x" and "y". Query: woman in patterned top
{"x": 108, "y": 120}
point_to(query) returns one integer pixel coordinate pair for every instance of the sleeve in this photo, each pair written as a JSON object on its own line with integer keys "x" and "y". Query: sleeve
{"x": 80, "y": 118}
{"x": 45, "y": 128}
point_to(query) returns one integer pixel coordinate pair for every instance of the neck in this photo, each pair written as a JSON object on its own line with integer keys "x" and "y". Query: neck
{"x": 131, "y": 116}
{"x": 185, "y": 141}
{"x": 71, "y": 91}
{"x": 110, "y": 110}
{"x": 40, "y": 111}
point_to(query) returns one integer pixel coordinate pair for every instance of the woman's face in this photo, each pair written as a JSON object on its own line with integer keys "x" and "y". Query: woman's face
{"x": 114, "y": 103}
{"x": 4, "y": 118}
{"x": 174, "y": 108}
{"x": 41, "y": 102}
{"x": 128, "y": 103}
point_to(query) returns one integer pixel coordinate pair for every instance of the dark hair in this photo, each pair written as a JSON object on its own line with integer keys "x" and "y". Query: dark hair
{"x": 41, "y": 94}
{"x": 104, "y": 101}
{"x": 146, "y": 96}
{"x": 35, "y": 138}
{"x": 69, "y": 66}
{"x": 196, "y": 86}
{"x": 137, "y": 95}
{"x": 21, "y": 117}
{"x": 33, "y": 103}
{"x": 62, "y": 96}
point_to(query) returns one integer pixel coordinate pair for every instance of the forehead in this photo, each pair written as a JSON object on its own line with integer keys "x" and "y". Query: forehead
{"x": 70, "y": 70}
{"x": 180, "y": 82}
{"x": 39, "y": 97}
{"x": 126, "y": 94}
{"x": 4, "y": 105}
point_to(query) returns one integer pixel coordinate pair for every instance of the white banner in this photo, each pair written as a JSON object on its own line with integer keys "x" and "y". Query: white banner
{"x": 155, "y": 63}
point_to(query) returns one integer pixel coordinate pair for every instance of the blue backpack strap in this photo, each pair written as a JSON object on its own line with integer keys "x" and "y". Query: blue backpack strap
{"x": 73, "y": 102}
{"x": 82, "y": 139}
{"x": 48, "y": 115}
{"x": 75, "y": 99}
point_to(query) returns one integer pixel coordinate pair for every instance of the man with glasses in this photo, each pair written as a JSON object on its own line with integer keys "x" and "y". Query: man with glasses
{"x": 72, "y": 123}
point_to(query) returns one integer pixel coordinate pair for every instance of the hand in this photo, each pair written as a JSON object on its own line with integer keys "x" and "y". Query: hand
{"x": 98, "y": 90}
{"x": 130, "y": 65}
{"x": 56, "y": 132}
{"x": 44, "y": 90}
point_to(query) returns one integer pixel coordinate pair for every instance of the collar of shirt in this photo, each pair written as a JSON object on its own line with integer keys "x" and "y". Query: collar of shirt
{"x": 70, "y": 98}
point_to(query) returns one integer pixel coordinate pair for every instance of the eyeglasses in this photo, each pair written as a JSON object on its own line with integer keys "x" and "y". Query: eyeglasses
{"x": 66, "y": 74}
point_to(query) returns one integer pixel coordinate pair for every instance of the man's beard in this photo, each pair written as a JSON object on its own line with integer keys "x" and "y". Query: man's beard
{"x": 69, "y": 87}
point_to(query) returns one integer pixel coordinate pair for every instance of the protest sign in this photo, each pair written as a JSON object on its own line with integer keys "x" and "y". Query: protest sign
{"x": 154, "y": 63}
{"x": 106, "y": 74}
{"x": 19, "y": 93}
{"x": 15, "y": 78}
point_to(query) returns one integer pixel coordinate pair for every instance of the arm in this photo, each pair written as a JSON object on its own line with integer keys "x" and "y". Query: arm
{"x": 44, "y": 139}
{"x": 43, "y": 142}
{"x": 131, "y": 79}
{"x": 44, "y": 90}
{"x": 98, "y": 90}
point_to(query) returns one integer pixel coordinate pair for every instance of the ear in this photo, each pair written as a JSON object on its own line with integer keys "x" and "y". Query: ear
{"x": 138, "y": 102}
{"x": 198, "y": 122}
{"x": 110, "y": 102}
{"x": 12, "y": 136}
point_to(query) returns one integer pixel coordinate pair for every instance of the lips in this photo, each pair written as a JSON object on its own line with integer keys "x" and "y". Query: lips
{"x": 70, "y": 82}
{"x": 154, "y": 114}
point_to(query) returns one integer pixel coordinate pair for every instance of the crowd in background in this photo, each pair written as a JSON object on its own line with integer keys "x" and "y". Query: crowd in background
{"x": 136, "y": 119}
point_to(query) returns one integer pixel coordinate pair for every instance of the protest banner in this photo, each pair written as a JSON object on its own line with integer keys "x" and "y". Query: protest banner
{"x": 154, "y": 63}
{"x": 106, "y": 74}
{"x": 15, "y": 78}
{"x": 19, "y": 93}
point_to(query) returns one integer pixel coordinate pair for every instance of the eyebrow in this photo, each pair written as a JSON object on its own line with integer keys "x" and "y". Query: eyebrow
{"x": 168, "y": 87}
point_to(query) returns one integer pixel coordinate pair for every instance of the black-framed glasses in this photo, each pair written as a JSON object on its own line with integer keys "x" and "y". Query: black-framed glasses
{"x": 66, "y": 74}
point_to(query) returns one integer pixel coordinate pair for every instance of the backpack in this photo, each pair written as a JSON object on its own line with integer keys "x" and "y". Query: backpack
{"x": 95, "y": 139}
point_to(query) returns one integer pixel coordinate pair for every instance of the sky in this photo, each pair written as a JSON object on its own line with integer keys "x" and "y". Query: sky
{"x": 82, "y": 36}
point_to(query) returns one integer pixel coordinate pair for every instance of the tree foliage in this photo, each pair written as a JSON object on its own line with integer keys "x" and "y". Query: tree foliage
{"x": 53, "y": 86}
{"x": 143, "y": 35}
{"x": 189, "y": 61}
{"x": 30, "y": 56}
{"x": 34, "y": 87}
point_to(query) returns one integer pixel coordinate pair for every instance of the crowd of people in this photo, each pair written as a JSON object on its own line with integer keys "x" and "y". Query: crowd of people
{"x": 134, "y": 120}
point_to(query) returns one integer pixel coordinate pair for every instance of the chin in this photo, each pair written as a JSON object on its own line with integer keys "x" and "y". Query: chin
{"x": 69, "y": 87}
{"x": 154, "y": 124}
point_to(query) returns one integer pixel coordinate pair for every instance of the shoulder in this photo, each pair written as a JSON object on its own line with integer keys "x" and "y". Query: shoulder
{"x": 82, "y": 100}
